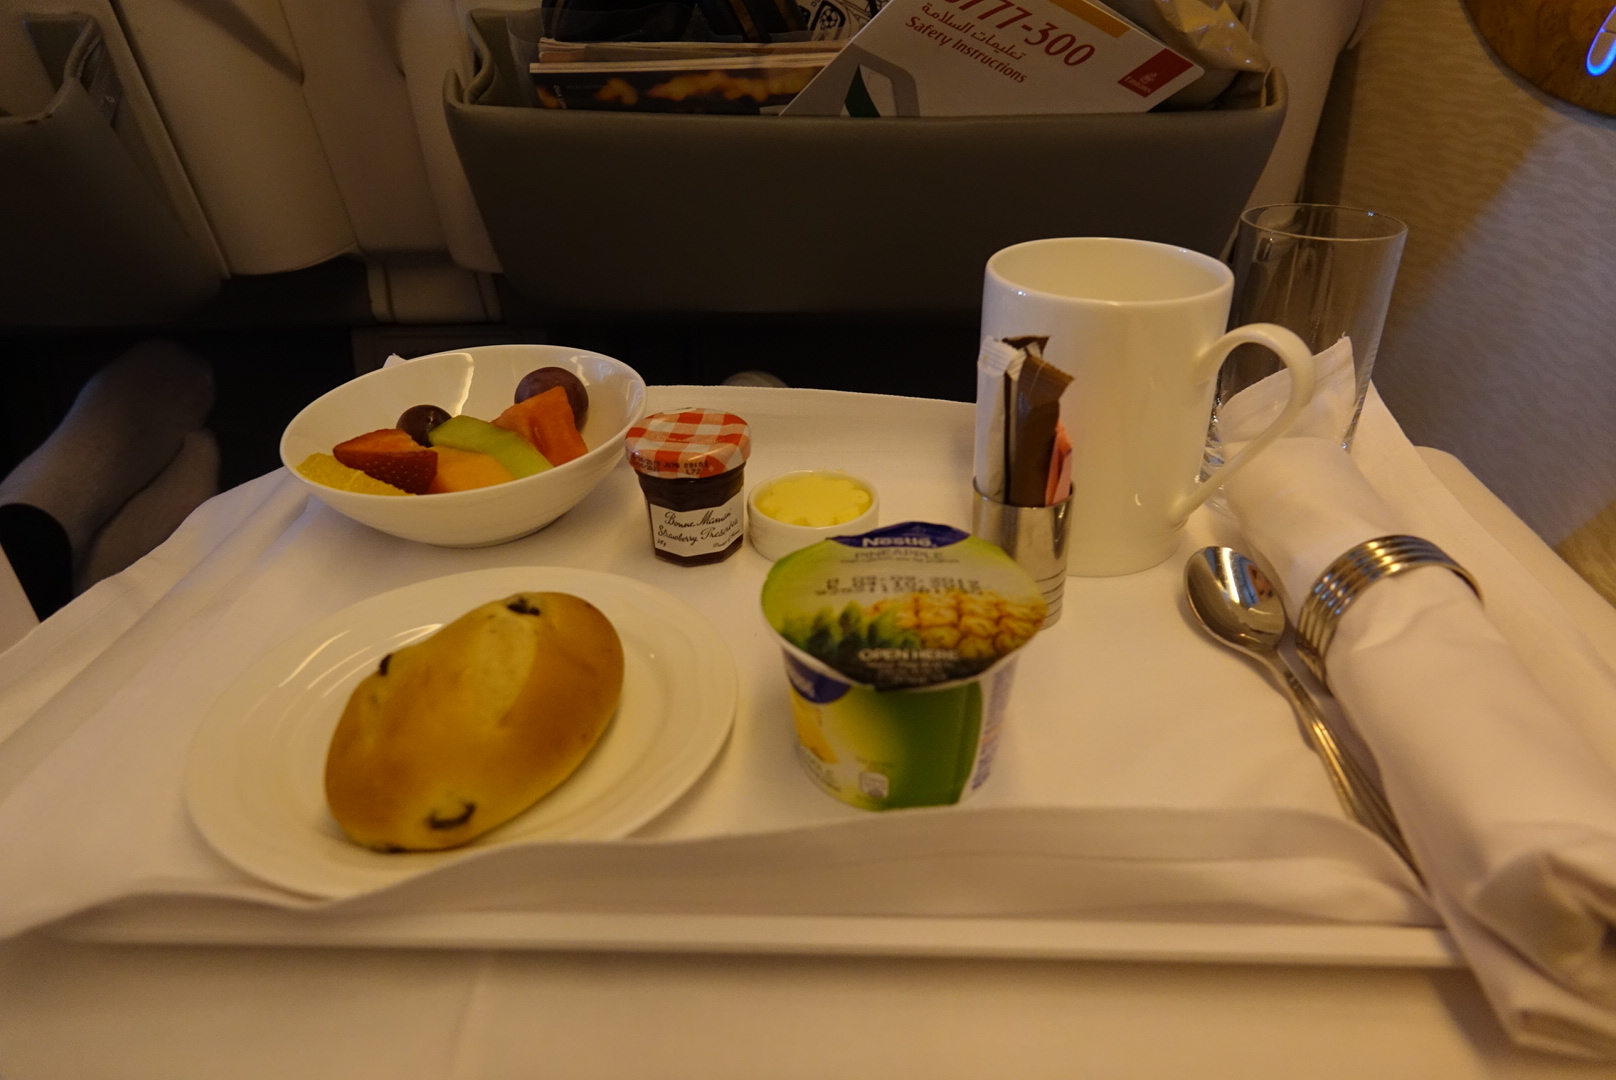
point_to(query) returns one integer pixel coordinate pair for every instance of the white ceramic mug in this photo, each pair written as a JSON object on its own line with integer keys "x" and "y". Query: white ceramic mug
{"x": 1140, "y": 328}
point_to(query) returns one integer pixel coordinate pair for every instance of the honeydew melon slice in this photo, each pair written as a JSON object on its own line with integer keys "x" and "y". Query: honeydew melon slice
{"x": 480, "y": 437}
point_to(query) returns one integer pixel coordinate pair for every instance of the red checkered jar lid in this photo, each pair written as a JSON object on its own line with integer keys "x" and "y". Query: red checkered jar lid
{"x": 688, "y": 444}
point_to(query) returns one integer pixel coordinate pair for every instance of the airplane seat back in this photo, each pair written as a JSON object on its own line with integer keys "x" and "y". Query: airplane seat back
{"x": 291, "y": 132}
{"x": 294, "y": 120}
{"x": 1303, "y": 38}
{"x": 97, "y": 216}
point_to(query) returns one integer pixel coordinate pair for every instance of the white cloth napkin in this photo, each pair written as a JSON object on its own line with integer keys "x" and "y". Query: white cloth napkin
{"x": 1505, "y": 789}
{"x": 1248, "y": 413}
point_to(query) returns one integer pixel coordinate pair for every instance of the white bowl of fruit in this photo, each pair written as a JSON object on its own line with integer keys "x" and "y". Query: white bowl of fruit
{"x": 468, "y": 448}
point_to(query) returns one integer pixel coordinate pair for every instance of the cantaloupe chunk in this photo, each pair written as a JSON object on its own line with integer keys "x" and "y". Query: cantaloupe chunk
{"x": 462, "y": 470}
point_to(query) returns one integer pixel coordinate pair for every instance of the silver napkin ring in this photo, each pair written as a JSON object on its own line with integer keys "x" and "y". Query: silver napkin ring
{"x": 1344, "y": 580}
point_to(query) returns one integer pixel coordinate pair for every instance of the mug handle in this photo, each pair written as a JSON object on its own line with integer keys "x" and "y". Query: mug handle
{"x": 1296, "y": 356}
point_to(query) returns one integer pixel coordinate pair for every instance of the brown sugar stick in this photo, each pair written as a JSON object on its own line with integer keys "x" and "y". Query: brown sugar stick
{"x": 1036, "y": 411}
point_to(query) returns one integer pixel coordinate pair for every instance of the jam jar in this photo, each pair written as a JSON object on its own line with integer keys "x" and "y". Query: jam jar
{"x": 691, "y": 465}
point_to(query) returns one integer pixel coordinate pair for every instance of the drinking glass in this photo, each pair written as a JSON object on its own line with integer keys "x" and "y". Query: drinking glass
{"x": 1325, "y": 273}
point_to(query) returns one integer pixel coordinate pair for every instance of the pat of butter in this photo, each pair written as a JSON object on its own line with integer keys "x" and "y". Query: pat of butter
{"x": 816, "y": 501}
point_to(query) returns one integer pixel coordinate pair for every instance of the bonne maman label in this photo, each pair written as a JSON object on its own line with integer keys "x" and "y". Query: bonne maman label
{"x": 697, "y": 532}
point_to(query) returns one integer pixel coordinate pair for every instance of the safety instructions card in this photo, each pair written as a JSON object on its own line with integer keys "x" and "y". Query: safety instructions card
{"x": 995, "y": 58}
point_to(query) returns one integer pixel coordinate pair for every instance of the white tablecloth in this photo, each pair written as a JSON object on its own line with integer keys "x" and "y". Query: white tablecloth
{"x": 1143, "y": 769}
{"x": 1159, "y": 744}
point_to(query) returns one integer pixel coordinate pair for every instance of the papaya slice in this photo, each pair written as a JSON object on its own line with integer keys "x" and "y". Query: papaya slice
{"x": 545, "y": 420}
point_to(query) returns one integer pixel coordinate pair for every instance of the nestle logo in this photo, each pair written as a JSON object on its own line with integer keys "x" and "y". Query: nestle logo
{"x": 897, "y": 541}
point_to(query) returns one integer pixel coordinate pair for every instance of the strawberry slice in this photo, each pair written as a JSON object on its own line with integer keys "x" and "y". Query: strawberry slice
{"x": 391, "y": 456}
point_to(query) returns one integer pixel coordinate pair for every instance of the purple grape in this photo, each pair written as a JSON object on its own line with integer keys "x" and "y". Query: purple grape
{"x": 546, "y": 378}
{"x": 418, "y": 420}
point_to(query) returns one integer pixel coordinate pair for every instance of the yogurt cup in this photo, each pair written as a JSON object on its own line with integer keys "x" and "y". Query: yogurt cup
{"x": 900, "y": 647}
{"x": 888, "y": 749}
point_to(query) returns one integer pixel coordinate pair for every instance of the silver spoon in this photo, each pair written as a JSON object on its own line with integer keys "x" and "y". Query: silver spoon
{"x": 1238, "y": 607}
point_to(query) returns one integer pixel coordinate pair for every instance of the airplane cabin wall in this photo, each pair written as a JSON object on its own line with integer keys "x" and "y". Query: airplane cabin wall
{"x": 1501, "y": 342}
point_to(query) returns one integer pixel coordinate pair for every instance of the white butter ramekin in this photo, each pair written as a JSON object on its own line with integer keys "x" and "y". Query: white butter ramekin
{"x": 776, "y": 539}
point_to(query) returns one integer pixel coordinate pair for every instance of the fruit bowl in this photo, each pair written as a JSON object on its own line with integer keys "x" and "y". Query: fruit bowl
{"x": 480, "y": 382}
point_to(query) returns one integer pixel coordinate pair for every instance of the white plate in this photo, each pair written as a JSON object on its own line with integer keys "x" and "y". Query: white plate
{"x": 254, "y": 781}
